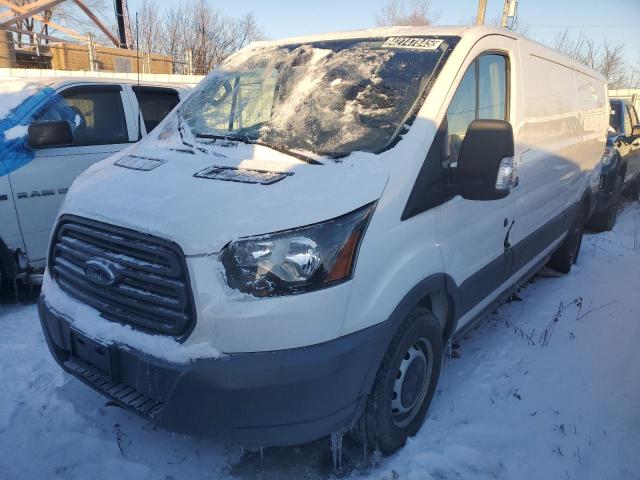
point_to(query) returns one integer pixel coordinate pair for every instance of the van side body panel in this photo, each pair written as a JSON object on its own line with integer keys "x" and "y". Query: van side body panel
{"x": 559, "y": 140}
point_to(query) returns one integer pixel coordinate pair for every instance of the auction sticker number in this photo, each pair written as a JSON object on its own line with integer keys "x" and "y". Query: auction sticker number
{"x": 412, "y": 42}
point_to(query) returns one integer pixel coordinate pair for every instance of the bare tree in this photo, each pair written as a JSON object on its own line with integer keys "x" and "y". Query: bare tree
{"x": 608, "y": 58}
{"x": 68, "y": 14}
{"x": 406, "y": 12}
{"x": 150, "y": 27}
{"x": 206, "y": 33}
{"x": 65, "y": 14}
{"x": 613, "y": 65}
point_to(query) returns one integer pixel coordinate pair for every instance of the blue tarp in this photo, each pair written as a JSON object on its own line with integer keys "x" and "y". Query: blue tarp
{"x": 16, "y": 153}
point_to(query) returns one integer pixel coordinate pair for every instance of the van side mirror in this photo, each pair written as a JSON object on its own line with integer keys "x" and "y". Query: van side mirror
{"x": 50, "y": 134}
{"x": 486, "y": 169}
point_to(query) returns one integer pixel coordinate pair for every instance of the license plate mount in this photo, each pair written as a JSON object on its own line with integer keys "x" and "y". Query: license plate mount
{"x": 93, "y": 352}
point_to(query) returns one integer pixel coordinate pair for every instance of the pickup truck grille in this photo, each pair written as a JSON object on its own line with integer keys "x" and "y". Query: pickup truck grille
{"x": 148, "y": 283}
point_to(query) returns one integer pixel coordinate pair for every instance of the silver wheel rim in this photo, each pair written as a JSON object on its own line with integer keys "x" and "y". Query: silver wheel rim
{"x": 411, "y": 383}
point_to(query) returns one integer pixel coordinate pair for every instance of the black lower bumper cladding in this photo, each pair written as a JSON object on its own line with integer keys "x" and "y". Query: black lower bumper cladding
{"x": 276, "y": 398}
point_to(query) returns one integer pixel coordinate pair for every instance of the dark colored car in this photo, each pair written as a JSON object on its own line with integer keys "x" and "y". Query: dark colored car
{"x": 620, "y": 164}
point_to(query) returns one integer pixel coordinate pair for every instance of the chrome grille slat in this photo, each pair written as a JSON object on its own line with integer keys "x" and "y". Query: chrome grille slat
{"x": 157, "y": 283}
{"x": 75, "y": 273}
{"x": 129, "y": 261}
{"x": 152, "y": 290}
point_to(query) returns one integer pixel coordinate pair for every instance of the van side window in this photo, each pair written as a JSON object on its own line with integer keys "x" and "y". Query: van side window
{"x": 155, "y": 103}
{"x": 462, "y": 110}
{"x": 482, "y": 94}
{"x": 96, "y": 114}
{"x": 614, "y": 119}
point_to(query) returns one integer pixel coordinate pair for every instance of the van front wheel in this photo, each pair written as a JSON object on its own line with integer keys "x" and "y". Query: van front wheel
{"x": 405, "y": 384}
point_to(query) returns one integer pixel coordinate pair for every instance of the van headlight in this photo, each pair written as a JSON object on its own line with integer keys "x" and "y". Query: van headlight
{"x": 299, "y": 260}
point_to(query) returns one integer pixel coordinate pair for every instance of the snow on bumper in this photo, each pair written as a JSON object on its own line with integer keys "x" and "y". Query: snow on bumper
{"x": 255, "y": 399}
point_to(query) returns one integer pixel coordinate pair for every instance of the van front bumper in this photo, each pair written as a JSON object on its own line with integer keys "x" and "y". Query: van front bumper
{"x": 275, "y": 398}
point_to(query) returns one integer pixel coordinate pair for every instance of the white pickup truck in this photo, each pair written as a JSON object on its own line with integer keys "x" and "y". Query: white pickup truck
{"x": 35, "y": 173}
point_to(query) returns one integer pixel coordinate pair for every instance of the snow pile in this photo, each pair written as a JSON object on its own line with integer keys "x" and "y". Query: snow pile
{"x": 14, "y": 91}
{"x": 546, "y": 388}
{"x": 89, "y": 321}
{"x": 16, "y": 132}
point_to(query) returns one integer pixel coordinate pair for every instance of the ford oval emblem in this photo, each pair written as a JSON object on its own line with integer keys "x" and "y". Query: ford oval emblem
{"x": 101, "y": 272}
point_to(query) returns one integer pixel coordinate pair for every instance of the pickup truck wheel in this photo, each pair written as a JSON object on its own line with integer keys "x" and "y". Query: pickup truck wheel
{"x": 605, "y": 221}
{"x": 405, "y": 384}
{"x": 633, "y": 193}
{"x": 567, "y": 254}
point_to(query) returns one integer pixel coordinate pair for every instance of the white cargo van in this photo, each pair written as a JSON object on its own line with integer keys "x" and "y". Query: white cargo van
{"x": 289, "y": 252}
{"x": 51, "y": 129}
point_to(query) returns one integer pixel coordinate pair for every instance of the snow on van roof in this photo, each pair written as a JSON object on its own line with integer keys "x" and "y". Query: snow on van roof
{"x": 452, "y": 30}
{"x": 470, "y": 33}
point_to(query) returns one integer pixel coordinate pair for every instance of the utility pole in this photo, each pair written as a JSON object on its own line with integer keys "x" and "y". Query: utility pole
{"x": 508, "y": 11}
{"x": 482, "y": 8}
{"x": 122, "y": 35}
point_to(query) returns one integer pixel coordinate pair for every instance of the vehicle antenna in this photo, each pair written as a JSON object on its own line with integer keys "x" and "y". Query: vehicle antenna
{"x": 138, "y": 70}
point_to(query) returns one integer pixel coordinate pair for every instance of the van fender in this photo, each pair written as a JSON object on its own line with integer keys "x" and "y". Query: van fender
{"x": 438, "y": 283}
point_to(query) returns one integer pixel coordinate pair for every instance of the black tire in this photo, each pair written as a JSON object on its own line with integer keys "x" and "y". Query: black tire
{"x": 633, "y": 192}
{"x": 567, "y": 254}
{"x": 606, "y": 220}
{"x": 414, "y": 360}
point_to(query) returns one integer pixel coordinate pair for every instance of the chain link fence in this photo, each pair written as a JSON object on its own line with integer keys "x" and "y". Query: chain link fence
{"x": 40, "y": 53}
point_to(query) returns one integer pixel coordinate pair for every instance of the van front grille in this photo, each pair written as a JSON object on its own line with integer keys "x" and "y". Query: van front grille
{"x": 142, "y": 280}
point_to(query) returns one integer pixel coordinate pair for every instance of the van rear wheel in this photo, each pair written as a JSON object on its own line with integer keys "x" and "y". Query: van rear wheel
{"x": 405, "y": 384}
{"x": 567, "y": 254}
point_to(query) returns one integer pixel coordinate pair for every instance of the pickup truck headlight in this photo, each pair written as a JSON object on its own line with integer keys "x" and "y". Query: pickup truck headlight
{"x": 299, "y": 260}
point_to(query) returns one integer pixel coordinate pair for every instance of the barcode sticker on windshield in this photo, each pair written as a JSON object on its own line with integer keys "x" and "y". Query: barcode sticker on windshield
{"x": 420, "y": 43}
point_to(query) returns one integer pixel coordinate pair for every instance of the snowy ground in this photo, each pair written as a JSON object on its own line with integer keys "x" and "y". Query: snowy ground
{"x": 546, "y": 388}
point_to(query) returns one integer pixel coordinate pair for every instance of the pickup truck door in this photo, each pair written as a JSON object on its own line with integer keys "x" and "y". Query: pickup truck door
{"x": 101, "y": 129}
{"x": 632, "y": 144}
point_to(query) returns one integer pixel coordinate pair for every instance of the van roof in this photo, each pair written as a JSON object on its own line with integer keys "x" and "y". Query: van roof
{"x": 451, "y": 30}
{"x": 469, "y": 33}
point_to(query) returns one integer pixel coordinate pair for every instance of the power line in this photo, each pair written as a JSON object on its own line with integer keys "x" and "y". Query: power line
{"x": 581, "y": 26}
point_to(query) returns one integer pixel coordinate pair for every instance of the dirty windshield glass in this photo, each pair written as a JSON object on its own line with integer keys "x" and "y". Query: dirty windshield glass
{"x": 330, "y": 98}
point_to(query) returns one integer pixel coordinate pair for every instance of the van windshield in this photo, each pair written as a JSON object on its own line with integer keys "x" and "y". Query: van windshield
{"x": 330, "y": 98}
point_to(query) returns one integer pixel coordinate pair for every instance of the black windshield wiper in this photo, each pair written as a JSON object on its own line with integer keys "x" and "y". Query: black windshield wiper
{"x": 251, "y": 141}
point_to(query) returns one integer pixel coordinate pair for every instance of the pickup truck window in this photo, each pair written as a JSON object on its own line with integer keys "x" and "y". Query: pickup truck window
{"x": 628, "y": 124}
{"x": 633, "y": 115}
{"x": 155, "y": 104}
{"x": 614, "y": 118}
{"x": 96, "y": 113}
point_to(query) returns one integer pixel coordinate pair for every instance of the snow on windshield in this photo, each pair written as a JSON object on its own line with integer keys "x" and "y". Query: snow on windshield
{"x": 331, "y": 97}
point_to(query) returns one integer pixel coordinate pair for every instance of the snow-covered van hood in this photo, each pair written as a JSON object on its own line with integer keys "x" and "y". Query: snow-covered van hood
{"x": 202, "y": 214}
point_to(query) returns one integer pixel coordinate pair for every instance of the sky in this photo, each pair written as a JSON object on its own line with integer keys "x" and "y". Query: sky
{"x": 592, "y": 18}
